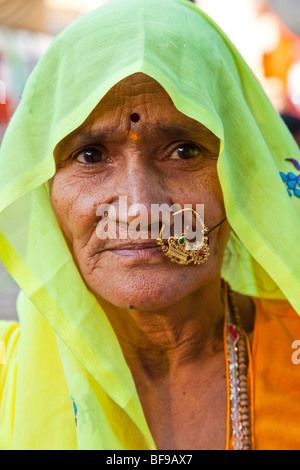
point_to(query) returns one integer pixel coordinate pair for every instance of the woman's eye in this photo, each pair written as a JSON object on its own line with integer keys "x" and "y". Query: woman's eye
{"x": 89, "y": 156}
{"x": 185, "y": 152}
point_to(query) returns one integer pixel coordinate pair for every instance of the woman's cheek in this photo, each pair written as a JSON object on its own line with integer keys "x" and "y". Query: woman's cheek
{"x": 75, "y": 209}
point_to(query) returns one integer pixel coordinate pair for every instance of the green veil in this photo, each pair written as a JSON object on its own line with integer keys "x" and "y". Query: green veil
{"x": 187, "y": 53}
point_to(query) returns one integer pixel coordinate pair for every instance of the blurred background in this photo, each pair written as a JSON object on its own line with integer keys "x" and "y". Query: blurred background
{"x": 266, "y": 32}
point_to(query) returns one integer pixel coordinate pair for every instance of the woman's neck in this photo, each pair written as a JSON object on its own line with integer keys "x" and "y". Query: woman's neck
{"x": 176, "y": 356}
{"x": 158, "y": 341}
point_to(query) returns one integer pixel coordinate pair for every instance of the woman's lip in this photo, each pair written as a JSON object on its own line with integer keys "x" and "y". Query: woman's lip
{"x": 135, "y": 246}
{"x": 141, "y": 252}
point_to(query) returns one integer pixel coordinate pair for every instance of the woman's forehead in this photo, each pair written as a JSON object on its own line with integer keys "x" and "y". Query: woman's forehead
{"x": 136, "y": 82}
{"x": 142, "y": 96}
{"x": 137, "y": 89}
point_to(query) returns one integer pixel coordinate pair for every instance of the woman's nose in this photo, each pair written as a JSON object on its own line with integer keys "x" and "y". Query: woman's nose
{"x": 143, "y": 187}
{"x": 144, "y": 183}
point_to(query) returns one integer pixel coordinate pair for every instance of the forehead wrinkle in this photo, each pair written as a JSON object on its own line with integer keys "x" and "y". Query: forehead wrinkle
{"x": 144, "y": 91}
{"x": 137, "y": 83}
{"x": 125, "y": 104}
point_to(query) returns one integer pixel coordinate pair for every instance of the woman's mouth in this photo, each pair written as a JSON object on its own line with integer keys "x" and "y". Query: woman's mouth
{"x": 136, "y": 251}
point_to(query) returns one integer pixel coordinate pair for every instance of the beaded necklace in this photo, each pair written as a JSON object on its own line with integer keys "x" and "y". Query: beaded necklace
{"x": 236, "y": 347}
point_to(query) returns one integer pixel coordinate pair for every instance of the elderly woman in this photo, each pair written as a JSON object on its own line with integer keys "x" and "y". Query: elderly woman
{"x": 144, "y": 342}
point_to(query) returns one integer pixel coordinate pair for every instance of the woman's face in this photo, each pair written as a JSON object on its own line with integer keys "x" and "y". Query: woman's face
{"x": 136, "y": 144}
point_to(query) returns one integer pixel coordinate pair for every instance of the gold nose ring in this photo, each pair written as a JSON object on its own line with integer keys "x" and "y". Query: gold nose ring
{"x": 179, "y": 250}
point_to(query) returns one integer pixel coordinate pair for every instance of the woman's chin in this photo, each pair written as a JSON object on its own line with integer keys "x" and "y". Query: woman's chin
{"x": 139, "y": 297}
{"x": 149, "y": 293}
{"x": 146, "y": 304}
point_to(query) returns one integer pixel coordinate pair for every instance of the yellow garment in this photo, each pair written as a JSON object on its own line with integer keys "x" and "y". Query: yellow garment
{"x": 68, "y": 354}
{"x": 37, "y": 405}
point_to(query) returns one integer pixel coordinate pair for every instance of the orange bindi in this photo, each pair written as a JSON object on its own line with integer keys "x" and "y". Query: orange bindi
{"x": 132, "y": 135}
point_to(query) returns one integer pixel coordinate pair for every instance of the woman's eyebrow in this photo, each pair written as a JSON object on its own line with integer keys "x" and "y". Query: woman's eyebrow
{"x": 96, "y": 136}
{"x": 168, "y": 129}
{"x": 78, "y": 139}
{"x": 175, "y": 130}
{"x": 90, "y": 137}
{"x": 190, "y": 130}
